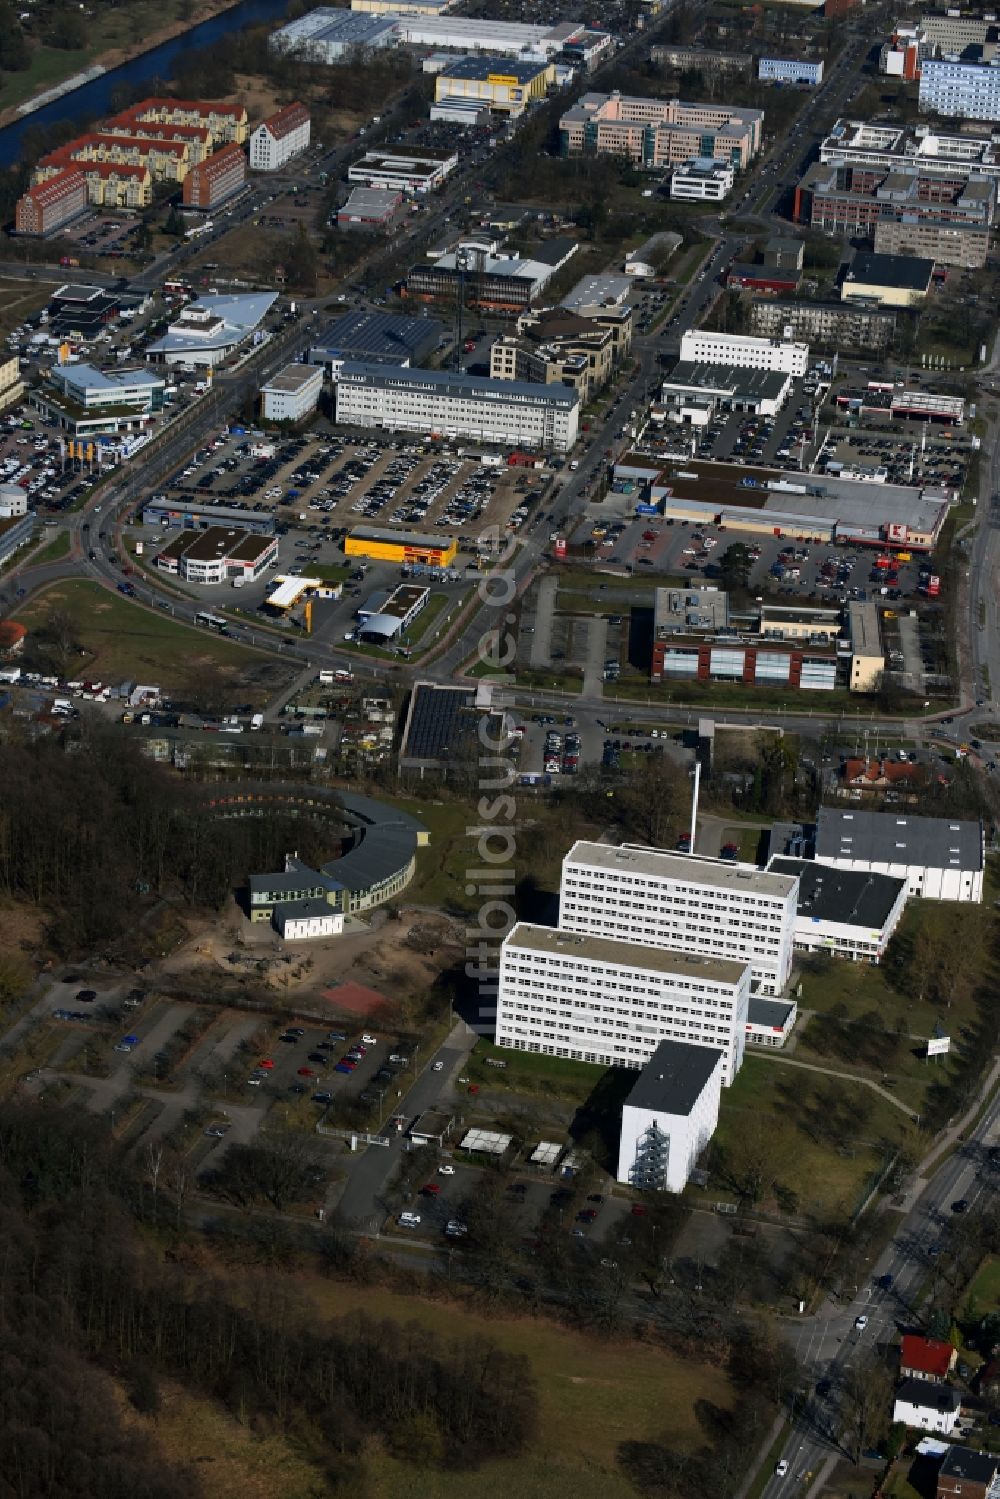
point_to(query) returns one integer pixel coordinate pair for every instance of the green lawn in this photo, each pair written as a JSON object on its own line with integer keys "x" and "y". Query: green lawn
{"x": 57, "y": 548}
{"x": 594, "y": 1392}
{"x": 49, "y": 66}
{"x": 529, "y": 1072}
{"x": 828, "y": 1133}
{"x": 122, "y": 639}
{"x": 136, "y": 26}
{"x": 984, "y": 1290}
{"x": 441, "y": 876}
{"x": 420, "y": 630}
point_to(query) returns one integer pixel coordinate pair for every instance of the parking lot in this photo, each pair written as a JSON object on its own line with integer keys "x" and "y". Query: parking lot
{"x": 30, "y": 457}
{"x": 683, "y": 549}
{"x": 103, "y": 234}
{"x": 536, "y": 1206}
{"x": 326, "y": 482}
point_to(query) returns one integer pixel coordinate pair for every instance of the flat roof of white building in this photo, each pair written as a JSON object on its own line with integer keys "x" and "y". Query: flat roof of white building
{"x": 691, "y": 869}
{"x": 548, "y": 941}
{"x": 293, "y": 378}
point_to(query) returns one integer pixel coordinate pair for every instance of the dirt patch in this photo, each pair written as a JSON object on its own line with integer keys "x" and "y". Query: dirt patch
{"x": 21, "y": 932}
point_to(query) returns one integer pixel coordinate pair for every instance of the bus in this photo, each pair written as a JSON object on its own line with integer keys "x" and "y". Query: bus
{"x": 212, "y": 622}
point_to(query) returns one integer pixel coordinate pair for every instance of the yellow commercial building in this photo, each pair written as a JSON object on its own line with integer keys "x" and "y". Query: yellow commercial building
{"x": 393, "y": 546}
{"x": 507, "y": 85}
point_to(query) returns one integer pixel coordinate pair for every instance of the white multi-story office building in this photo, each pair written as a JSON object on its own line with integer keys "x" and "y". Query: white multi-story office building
{"x": 508, "y": 412}
{"x": 940, "y": 858}
{"x": 740, "y": 351}
{"x": 706, "y": 907}
{"x": 789, "y": 70}
{"x": 966, "y": 90}
{"x": 702, "y": 180}
{"x": 669, "y": 1117}
{"x": 292, "y": 393}
{"x": 599, "y": 999}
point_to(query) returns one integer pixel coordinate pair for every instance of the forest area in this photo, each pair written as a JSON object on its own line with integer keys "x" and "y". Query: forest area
{"x": 92, "y": 832}
{"x": 90, "y": 1306}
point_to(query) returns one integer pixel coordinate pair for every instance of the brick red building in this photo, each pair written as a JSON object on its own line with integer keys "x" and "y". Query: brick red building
{"x": 766, "y": 279}
{"x": 217, "y": 179}
{"x": 52, "y": 203}
{"x": 793, "y": 665}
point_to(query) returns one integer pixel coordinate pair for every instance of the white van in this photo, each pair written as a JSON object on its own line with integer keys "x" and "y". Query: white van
{"x": 409, "y": 1220}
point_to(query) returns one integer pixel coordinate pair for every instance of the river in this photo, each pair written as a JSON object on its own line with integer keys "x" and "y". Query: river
{"x": 95, "y": 98}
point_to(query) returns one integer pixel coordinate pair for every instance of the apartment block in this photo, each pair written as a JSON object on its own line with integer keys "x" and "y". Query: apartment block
{"x": 611, "y": 1002}
{"x": 50, "y": 204}
{"x": 280, "y": 137}
{"x": 704, "y": 907}
{"x": 947, "y": 244}
{"x": 824, "y": 325}
{"x": 217, "y": 179}
{"x": 197, "y": 138}
{"x": 165, "y": 160}
{"x": 965, "y": 90}
{"x": 741, "y": 352}
{"x": 660, "y": 133}
{"x": 227, "y": 123}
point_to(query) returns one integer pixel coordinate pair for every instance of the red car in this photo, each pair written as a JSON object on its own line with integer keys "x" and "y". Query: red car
{"x": 266, "y": 1065}
{"x": 638, "y": 1211}
{"x": 431, "y": 1189}
{"x": 306, "y": 1072}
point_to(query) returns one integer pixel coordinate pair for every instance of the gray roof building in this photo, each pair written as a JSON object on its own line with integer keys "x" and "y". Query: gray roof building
{"x": 674, "y": 1078}
{"x": 379, "y": 338}
{"x": 854, "y": 897}
{"x": 895, "y": 838}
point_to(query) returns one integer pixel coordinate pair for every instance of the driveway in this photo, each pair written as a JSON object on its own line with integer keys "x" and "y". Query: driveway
{"x": 363, "y": 1201}
{"x": 593, "y": 671}
{"x": 541, "y": 645}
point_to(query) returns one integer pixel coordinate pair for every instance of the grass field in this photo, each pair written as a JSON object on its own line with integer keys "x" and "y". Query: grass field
{"x": 984, "y": 1290}
{"x": 828, "y": 1135}
{"x": 529, "y": 1072}
{"x": 133, "y": 28}
{"x": 57, "y": 548}
{"x": 593, "y": 1394}
{"x": 121, "y": 639}
{"x": 18, "y": 298}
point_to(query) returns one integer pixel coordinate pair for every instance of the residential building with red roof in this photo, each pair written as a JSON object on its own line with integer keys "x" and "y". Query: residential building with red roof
{"x": 217, "y": 179}
{"x": 227, "y": 122}
{"x": 50, "y": 204}
{"x": 197, "y": 138}
{"x": 925, "y": 1358}
{"x": 279, "y": 138}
